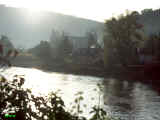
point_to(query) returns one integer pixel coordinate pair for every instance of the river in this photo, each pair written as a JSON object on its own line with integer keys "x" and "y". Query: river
{"x": 121, "y": 98}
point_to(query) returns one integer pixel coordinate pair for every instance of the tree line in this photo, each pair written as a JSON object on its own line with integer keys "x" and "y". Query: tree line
{"x": 124, "y": 34}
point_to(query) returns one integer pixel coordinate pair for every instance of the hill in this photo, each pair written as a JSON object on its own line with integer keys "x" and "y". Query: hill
{"x": 26, "y": 28}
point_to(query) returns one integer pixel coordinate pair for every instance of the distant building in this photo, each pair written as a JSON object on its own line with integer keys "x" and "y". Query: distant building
{"x": 78, "y": 42}
{"x": 87, "y": 52}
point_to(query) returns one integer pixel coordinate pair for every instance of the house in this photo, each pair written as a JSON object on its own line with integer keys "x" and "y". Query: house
{"x": 90, "y": 52}
{"x": 78, "y": 42}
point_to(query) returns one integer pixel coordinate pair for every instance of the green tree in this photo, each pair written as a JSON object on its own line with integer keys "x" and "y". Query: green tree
{"x": 147, "y": 11}
{"x": 7, "y": 51}
{"x": 124, "y": 34}
{"x": 42, "y": 50}
{"x": 65, "y": 47}
{"x": 60, "y": 44}
{"x": 7, "y": 45}
{"x": 55, "y": 38}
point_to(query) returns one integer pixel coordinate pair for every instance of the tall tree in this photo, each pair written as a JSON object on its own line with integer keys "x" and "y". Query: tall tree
{"x": 42, "y": 50}
{"x": 55, "y": 38}
{"x": 7, "y": 51}
{"x": 125, "y": 34}
{"x": 59, "y": 43}
{"x": 7, "y": 45}
{"x": 65, "y": 47}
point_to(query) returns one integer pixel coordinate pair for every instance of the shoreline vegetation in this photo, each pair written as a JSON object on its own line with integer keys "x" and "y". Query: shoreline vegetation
{"x": 31, "y": 61}
{"x": 134, "y": 73}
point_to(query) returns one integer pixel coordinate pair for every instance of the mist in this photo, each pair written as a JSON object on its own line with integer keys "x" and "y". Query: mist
{"x": 26, "y": 28}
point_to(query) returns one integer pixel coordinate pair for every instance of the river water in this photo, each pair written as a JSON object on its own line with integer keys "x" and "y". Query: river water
{"x": 120, "y": 98}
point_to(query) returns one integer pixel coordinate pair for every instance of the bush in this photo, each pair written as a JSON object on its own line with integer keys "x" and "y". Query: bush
{"x": 21, "y": 101}
{"x": 42, "y": 51}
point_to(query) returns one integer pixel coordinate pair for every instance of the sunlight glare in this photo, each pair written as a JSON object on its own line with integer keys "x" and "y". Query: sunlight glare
{"x": 96, "y": 10}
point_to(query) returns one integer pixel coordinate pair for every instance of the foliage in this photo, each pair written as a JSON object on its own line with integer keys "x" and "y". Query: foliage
{"x": 146, "y": 11}
{"x": 26, "y": 106}
{"x": 124, "y": 36}
{"x": 42, "y": 50}
{"x": 98, "y": 112}
{"x": 13, "y": 97}
{"x": 60, "y": 44}
{"x": 54, "y": 41}
{"x": 57, "y": 48}
{"x": 7, "y": 45}
{"x": 7, "y": 51}
{"x": 76, "y": 107}
{"x": 65, "y": 47}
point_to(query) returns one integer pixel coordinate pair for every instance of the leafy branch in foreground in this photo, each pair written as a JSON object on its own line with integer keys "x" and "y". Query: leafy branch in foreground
{"x": 26, "y": 106}
{"x": 98, "y": 112}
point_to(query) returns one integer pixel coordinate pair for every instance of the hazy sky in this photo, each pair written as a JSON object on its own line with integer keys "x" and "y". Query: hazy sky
{"x": 90, "y": 9}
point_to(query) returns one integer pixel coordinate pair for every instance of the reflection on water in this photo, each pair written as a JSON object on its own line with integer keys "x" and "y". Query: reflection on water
{"x": 130, "y": 100}
{"x": 127, "y": 100}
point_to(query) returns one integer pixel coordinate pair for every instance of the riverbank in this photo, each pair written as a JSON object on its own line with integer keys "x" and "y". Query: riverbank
{"x": 133, "y": 73}
{"x": 30, "y": 61}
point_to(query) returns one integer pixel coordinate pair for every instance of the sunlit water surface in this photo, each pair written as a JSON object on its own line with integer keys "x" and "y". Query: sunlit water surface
{"x": 123, "y": 99}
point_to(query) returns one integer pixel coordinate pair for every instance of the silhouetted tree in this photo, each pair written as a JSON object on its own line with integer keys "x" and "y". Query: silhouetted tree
{"x": 55, "y": 38}
{"x": 7, "y": 45}
{"x": 7, "y": 51}
{"x": 65, "y": 47}
{"x": 24, "y": 105}
{"x": 42, "y": 50}
{"x": 125, "y": 34}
